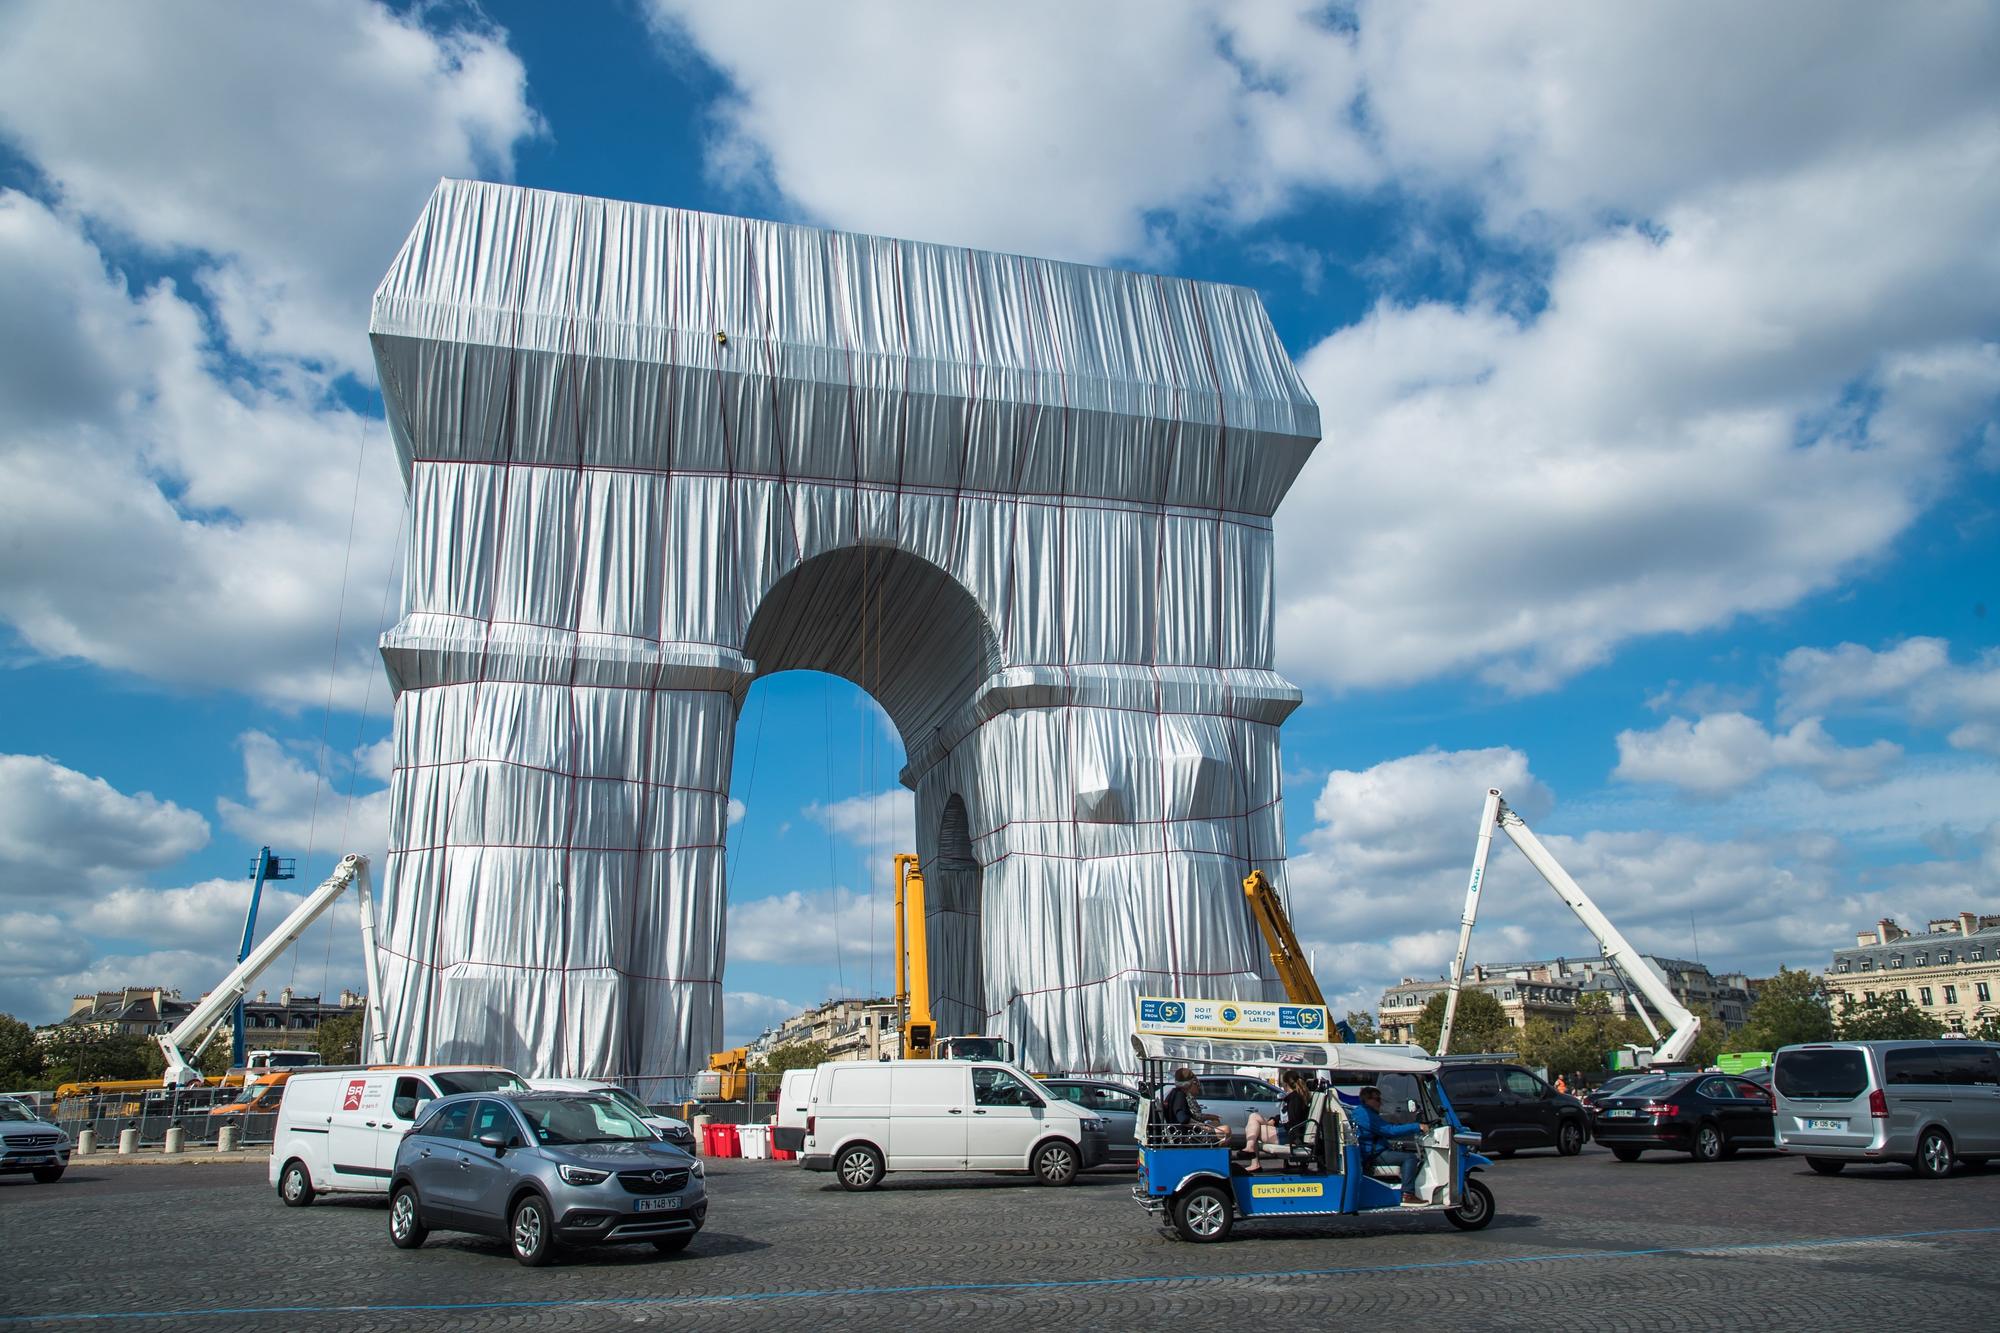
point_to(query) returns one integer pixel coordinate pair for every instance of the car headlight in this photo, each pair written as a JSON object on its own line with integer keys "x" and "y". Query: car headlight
{"x": 582, "y": 1175}
{"x": 697, "y": 1170}
{"x": 1094, "y": 1125}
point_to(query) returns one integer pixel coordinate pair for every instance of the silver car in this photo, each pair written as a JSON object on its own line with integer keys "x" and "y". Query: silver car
{"x": 1928, "y": 1104}
{"x": 30, "y": 1145}
{"x": 1232, "y": 1097}
{"x": 1114, "y": 1103}
{"x": 541, "y": 1170}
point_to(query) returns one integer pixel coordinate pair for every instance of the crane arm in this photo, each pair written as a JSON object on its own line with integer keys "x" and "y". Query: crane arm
{"x": 1301, "y": 987}
{"x": 215, "y": 1006}
{"x": 913, "y": 961}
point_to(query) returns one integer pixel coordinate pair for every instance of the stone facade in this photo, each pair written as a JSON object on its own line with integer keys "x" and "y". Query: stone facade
{"x": 849, "y": 1029}
{"x": 1951, "y": 971}
{"x": 1550, "y": 989}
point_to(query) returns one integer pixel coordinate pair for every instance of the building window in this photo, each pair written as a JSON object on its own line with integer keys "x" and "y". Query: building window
{"x": 1951, "y": 995}
{"x": 1897, "y": 961}
{"x": 1868, "y": 995}
{"x": 1903, "y": 995}
{"x": 1984, "y": 992}
{"x": 1868, "y": 965}
{"x": 1944, "y": 957}
{"x": 1974, "y": 955}
{"x": 1924, "y": 996}
{"x": 1840, "y": 967}
{"x": 1923, "y": 959}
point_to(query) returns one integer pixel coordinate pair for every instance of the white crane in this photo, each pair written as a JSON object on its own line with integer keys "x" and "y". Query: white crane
{"x": 1639, "y": 971}
{"x": 215, "y": 1006}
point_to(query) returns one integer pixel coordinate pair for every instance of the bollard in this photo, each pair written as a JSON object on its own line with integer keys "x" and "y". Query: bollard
{"x": 86, "y": 1143}
{"x": 700, "y": 1125}
{"x": 176, "y": 1141}
{"x": 226, "y": 1140}
{"x": 128, "y": 1140}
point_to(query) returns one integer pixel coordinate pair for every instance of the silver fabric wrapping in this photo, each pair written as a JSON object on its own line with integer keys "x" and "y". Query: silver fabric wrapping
{"x": 654, "y": 454}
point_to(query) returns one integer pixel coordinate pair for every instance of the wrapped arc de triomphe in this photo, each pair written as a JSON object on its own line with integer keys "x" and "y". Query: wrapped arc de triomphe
{"x": 653, "y": 455}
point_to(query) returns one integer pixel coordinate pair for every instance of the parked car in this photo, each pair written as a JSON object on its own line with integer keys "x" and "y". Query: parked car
{"x": 1512, "y": 1108}
{"x": 1114, "y": 1103}
{"x": 873, "y": 1117}
{"x": 542, "y": 1170}
{"x": 1233, "y": 1097}
{"x": 669, "y": 1127}
{"x": 1928, "y": 1104}
{"x": 338, "y": 1129}
{"x": 30, "y": 1145}
{"x": 1591, "y": 1096}
{"x": 1708, "y": 1116}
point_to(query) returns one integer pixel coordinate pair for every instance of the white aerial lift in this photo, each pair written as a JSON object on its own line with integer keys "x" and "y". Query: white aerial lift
{"x": 1640, "y": 974}
{"x": 215, "y": 1006}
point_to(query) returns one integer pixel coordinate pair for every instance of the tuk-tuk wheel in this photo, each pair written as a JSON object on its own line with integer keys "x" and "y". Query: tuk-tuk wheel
{"x": 1204, "y": 1213}
{"x": 1475, "y": 1210}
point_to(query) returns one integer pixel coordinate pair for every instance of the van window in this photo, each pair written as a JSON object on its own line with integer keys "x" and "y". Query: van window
{"x": 1523, "y": 1084}
{"x": 1975, "y": 1065}
{"x": 1475, "y": 1085}
{"x": 1826, "y": 1072}
{"x": 997, "y": 1087}
{"x": 409, "y": 1091}
{"x": 1914, "y": 1064}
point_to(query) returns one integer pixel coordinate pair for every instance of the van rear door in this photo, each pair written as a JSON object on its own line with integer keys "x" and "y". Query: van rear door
{"x": 1823, "y": 1097}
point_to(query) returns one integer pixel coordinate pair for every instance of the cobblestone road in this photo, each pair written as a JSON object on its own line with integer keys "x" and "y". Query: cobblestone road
{"x": 1666, "y": 1244}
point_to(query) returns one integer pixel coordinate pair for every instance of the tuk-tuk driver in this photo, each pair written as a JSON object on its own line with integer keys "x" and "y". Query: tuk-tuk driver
{"x": 1378, "y": 1138}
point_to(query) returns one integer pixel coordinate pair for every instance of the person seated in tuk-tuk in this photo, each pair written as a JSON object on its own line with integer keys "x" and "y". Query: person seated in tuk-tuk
{"x": 1182, "y": 1106}
{"x": 1377, "y": 1139}
{"x": 1287, "y": 1126}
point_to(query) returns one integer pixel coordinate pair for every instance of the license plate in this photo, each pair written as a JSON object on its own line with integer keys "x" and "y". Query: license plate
{"x": 1615, "y": 1115}
{"x": 665, "y": 1203}
{"x": 1826, "y": 1124}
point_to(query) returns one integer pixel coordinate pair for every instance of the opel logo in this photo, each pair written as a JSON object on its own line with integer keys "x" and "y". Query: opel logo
{"x": 659, "y": 1177}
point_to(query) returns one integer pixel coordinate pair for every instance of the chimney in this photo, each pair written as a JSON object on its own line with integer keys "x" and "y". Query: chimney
{"x": 1968, "y": 922}
{"x": 285, "y": 995}
{"x": 1864, "y": 938}
{"x": 262, "y": 995}
{"x": 1891, "y": 932}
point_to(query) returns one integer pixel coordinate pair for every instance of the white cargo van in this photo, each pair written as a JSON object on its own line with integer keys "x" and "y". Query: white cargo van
{"x": 868, "y": 1118}
{"x": 338, "y": 1129}
{"x": 788, "y": 1127}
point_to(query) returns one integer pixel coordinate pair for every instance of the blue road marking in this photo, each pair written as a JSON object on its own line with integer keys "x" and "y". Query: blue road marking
{"x": 1002, "y": 1288}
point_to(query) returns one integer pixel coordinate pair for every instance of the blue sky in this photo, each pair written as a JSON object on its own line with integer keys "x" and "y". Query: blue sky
{"x": 1661, "y": 480}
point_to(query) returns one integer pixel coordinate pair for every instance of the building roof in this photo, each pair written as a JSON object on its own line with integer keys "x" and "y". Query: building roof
{"x": 1928, "y": 944}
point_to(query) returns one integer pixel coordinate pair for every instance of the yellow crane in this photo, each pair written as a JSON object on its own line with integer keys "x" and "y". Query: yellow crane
{"x": 1286, "y": 955}
{"x": 913, "y": 961}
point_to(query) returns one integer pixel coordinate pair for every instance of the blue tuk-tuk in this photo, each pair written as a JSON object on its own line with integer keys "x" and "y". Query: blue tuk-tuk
{"x": 1201, "y": 1187}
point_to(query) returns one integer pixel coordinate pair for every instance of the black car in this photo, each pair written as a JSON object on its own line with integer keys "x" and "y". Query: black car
{"x": 1610, "y": 1087}
{"x": 1511, "y": 1108}
{"x": 1708, "y": 1116}
{"x": 1114, "y": 1103}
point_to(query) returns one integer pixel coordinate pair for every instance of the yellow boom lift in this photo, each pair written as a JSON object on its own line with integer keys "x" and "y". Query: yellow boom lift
{"x": 1286, "y": 955}
{"x": 913, "y": 981}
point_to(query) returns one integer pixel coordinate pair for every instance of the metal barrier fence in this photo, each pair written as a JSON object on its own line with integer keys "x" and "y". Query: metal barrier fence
{"x": 155, "y": 1111}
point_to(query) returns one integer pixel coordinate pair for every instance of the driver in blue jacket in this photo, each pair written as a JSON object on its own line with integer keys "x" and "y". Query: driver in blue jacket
{"x": 1378, "y": 1138}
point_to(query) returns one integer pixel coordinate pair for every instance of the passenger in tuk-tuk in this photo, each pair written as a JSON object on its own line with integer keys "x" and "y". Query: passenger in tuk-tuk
{"x": 1287, "y": 1126}
{"x": 1377, "y": 1140}
{"x": 1182, "y": 1105}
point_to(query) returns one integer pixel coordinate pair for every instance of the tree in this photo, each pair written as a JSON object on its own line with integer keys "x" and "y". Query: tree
{"x": 219, "y": 1057}
{"x": 1884, "y": 1018}
{"x": 1791, "y": 1009}
{"x": 84, "y": 1054}
{"x": 21, "y": 1062}
{"x": 1479, "y": 1027}
{"x": 340, "y": 1040}
{"x": 1363, "y": 1026}
{"x": 1984, "y": 1027}
{"x": 778, "y": 1060}
{"x": 1582, "y": 1049}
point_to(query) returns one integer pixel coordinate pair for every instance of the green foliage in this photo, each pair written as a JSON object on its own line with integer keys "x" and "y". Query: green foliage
{"x": 1791, "y": 1008}
{"x": 21, "y": 1062}
{"x": 216, "y": 1060}
{"x": 1365, "y": 1032}
{"x": 340, "y": 1040}
{"x": 1581, "y": 1050}
{"x": 1708, "y": 1043}
{"x": 792, "y": 1055}
{"x": 82, "y": 1054}
{"x": 1986, "y": 1027}
{"x": 1884, "y": 1018}
{"x": 1480, "y": 1026}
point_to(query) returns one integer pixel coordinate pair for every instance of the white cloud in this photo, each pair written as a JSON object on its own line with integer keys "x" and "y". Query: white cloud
{"x": 289, "y": 149}
{"x": 1723, "y": 752}
{"x": 746, "y": 1015}
{"x": 1914, "y": 677}
{"x": 737, "y": 812}
{"x": 881, "y": 823}
{"x": 292, "y": 808}
{"x": 64, "y": 834}
{"x": 809, "y": 928}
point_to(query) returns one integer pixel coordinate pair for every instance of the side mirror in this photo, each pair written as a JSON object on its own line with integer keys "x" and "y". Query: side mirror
{"x": 495, "y": 1140}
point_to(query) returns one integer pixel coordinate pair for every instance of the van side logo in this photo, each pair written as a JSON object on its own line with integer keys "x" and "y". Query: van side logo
{"x": 351, "y": 1100}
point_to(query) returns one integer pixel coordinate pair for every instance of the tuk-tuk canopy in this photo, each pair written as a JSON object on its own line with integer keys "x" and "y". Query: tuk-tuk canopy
{"x": 1238, "y": 1051}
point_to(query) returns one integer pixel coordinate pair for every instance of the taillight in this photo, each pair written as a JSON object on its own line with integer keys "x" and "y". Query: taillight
{"x": 809, "y": 1125}
{"x": 1662, "y": 1108}
{"x": 1878, "y": 1105}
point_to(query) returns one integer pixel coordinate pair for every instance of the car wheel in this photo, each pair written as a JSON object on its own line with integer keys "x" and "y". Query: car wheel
{"x": 859, "y": 1168}
{"x": 1569, "y": 1139}
{"x": 48, "y": 1175}
{"x": 1934, "y": 1158}
{"x": 1825, "y": 1166}
{"x": 531, "y": 1233}
{"x": 1708, "y": 1144}
{"x": 1475, "y": 1210}
{"x": 1625, "y": 1154}
{"x": 406, "y": 1220}
{"x": 1203, "y": 1214}
{"x": 1055, "y": 1163}
{"x": 674, "y": 1244}
{"x": 295, "y": 1184}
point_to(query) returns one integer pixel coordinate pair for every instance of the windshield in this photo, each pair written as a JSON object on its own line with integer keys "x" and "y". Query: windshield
{"x": 592, "y": 1119}
{"x": 478, "y": 1080}
{"x": 12, "y": 1110}
{"x": 632, "y": 1105}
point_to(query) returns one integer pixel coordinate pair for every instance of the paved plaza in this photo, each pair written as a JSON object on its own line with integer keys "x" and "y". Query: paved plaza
{"x": 1757, "y": 1242}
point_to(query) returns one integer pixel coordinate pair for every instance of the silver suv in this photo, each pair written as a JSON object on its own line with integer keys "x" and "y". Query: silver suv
{"x": 1929, "y": 1104}
{"x": 541, "y": 1170}
{"x": 30, "y": 1145}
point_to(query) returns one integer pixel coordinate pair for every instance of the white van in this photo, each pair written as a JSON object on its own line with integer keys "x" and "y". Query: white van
{"x": 867, "y": 1118}
{"x": 338, "y": 1129}
{"x": 788, "y": 1127}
